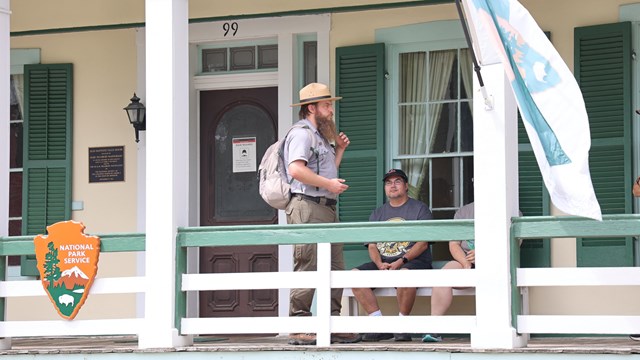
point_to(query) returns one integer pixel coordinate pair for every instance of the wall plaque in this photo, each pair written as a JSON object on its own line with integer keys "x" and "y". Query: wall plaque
{"x": 106, "y": 164}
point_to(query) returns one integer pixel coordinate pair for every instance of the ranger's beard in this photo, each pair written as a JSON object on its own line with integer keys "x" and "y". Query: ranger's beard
{"x": 326, "y": 127}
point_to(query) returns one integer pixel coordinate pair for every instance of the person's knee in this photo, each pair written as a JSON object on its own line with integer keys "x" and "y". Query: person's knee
{"x": 452, "y": 265}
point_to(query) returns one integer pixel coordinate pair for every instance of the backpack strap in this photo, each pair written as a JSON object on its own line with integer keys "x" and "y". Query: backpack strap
{"x": 313, "y": 148}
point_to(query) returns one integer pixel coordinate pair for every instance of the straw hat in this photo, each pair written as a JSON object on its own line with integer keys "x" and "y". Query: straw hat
{"x": 314, "y": 93}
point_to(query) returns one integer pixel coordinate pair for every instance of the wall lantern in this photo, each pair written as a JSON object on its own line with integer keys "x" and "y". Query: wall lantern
{"x": 137, "y": 115}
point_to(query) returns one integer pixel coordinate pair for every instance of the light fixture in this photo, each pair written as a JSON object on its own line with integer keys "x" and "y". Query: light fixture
{"x": 137, "y": 115}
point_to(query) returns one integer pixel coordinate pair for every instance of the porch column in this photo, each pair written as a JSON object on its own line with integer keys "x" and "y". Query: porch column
{"x": 5, "y": 66}
{"x": 496, "y": 201}
{"x": 167, "y": 102}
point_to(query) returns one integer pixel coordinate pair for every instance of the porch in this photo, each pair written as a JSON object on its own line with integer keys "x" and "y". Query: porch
{"x": 597, "y": 335}
{"x": 260, "y": 347}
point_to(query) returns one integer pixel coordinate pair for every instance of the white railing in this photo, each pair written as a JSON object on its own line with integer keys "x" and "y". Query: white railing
{"x": 570, "y": 228}
{"x": 23, "y": 245}
{"x": 323, "y": 280}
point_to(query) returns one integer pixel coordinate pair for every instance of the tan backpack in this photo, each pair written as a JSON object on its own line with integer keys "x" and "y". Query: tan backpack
{"x": 274, "y": 187}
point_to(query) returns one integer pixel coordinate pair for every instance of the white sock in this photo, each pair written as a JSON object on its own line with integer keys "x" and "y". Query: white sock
{"x": 400, "y": 314}
{"x": 376, "y": 313}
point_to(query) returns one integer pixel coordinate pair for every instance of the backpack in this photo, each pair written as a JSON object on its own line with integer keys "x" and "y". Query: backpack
{"x": 274, "y": 187}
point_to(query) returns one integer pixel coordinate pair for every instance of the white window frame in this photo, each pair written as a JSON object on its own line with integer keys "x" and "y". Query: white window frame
{"x": 432, "y": 36}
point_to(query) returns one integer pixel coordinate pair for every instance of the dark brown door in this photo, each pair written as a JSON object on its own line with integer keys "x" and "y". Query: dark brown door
{"x": 236, "y": 127}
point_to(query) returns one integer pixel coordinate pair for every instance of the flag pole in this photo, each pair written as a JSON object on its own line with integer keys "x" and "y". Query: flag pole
{"x": 488, "y": 101}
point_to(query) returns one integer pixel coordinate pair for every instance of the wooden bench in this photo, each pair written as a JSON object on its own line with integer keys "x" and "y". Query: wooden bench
{"x": 356, "y": 254}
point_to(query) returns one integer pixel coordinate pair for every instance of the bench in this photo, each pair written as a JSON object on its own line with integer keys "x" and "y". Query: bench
{"x": 356, "y": 254}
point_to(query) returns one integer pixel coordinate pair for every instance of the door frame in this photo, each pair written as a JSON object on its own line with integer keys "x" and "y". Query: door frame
{"x": 286, "y": 78}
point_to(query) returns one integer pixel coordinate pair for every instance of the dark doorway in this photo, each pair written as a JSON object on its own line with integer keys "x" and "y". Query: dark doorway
{"x": 236, "y": 127}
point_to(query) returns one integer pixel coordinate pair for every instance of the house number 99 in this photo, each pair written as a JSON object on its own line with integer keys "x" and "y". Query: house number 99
{"x": 230, "y": 27}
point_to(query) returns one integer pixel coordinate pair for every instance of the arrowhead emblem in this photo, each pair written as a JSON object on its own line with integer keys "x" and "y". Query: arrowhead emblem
{"x": 68, "y": 262}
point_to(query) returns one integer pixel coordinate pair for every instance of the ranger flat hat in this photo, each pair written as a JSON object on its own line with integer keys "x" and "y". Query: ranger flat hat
{"x": 314, "y": 93}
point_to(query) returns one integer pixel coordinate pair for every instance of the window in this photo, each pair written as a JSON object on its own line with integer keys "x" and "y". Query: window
{"x": 215, "y": 59}
{"x": 15, "y": 154}
{"x": 432, "y": 133}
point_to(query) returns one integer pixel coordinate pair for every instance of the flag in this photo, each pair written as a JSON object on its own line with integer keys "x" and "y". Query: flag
{"x": 548, "y": 96}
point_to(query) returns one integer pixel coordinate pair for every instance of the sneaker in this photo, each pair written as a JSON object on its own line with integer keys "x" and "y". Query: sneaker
{"x": 402, "y": 337}
{"x": 374, "y": 337}
{"x": 302, "y": 339}
{"x": 345, "y": 338}
{"x": 432, "y": 338}
{"x": 635, "y": 337}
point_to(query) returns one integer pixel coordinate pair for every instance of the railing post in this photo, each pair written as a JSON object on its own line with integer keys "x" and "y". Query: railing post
{"x": 323, "y": 294}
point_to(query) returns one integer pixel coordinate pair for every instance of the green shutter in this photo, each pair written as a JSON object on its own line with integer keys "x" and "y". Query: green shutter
{"x": 48, "y": 149}
{"x": 533, "y": 200}
{"x": 360, "y": 115}
{"x": 603, "y": 70}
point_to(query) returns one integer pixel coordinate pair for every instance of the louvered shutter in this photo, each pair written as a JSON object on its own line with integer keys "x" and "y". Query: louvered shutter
{"x": 533, "y": 199}
{"x": 48, "y": 149}
{"x": 360, "y": 115}
{"x": 533, "y": 252}
{"x": 603, "y": 70}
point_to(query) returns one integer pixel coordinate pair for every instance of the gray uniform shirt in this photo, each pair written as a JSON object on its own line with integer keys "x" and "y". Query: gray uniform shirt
{"x": 298, "y": 147}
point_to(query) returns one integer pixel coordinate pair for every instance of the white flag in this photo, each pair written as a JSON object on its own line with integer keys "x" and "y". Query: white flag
{"x": 548, "y": 96}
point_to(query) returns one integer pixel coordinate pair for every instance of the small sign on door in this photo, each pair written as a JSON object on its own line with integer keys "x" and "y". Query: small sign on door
{"x": 244, "y": 154}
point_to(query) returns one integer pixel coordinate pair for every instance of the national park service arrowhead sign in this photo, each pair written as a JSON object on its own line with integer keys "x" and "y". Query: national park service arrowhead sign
{"x": 68, "y": 262}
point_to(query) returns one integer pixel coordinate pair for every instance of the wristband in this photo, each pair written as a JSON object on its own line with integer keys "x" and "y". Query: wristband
{"x": 405, "y": 260}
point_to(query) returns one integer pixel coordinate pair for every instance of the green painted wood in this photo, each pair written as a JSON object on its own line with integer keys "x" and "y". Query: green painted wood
{"x": 21, "y": 57}
{"x": 572, "y": 226}
{"x": 603, "y": 70}
{"x": 348, "y": 233}
{"x": 3, "y": 276}
{"x": 48, "y": 128}
{"x": 360, "y": 115}
{"x": 23, "y": 245}
{"x": 515, "y": 263}
{"x": 180, "y": 311}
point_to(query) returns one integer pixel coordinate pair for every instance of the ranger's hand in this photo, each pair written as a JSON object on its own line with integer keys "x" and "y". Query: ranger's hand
{"x": 342, "y": 141}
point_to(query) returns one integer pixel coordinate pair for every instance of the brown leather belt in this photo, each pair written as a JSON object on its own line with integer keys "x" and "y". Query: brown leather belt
{"x": 317, "y": 199}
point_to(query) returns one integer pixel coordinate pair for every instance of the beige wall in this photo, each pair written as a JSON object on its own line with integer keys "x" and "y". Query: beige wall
{"x": 104, "y": 73}
{"x": 105, "y": 78}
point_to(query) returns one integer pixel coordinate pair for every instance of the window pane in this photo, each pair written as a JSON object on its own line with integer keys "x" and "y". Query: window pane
{"x": 267, "y": 56}
{"x": 412, "y": 130}
{"x": 15, "y": 227}
{"x": 16, "y": 97}
{"x": 467, "y": 180}
{"x": 443, "y": 77}
{"x": 444, "y": 174}
{"x": 466, "y": 127}
{"x": 15, "y": 146}
{"x": 214, "y": 60}
{"x": 15, "y": 194}
{"x": 443, "y": 130}
{"x": 466, "y": 74}
{"x": 310, "y": 61}
{"x": 243, "y": 58}
{"x": 413, "y": 86}
{"x": 417, "y": 171}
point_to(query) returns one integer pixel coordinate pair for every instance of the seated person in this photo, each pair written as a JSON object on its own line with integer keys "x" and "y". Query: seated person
{"x": 464, "y": 257}
{"x": 463, "y": 253}
{"x": 399, "y": 255}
